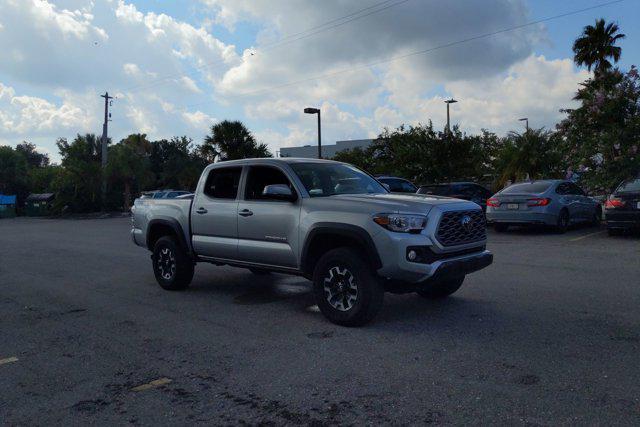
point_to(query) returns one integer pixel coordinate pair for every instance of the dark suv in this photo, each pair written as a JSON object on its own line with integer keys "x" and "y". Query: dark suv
{"x": 460, "y": 190}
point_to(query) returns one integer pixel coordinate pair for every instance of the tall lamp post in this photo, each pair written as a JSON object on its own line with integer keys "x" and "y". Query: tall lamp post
{"x": 526, "y": 122}
{"x": 449, "y": 102}
{"x": 310, "y": 110}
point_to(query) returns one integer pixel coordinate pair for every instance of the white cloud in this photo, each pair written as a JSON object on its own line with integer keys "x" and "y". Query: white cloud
{"x": 535, "y": 87}
{"x": 131, "y": 69}
{"x": 198, "y": 120}
{"x": 30, "y": 116}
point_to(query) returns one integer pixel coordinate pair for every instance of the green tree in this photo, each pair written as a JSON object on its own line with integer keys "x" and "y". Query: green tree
{"x": 34, "y": 158}
{"x": 596, "y": 46}
{"x": 534, "y": 154}
{"x": 176, "y": 163}
{"x": 602, "y": 135}
{"x": 78, "y": 186}
{"x": 13, "y": 173}
{"x": 41, "y": 179}
{"x": 129, "y": 166}
{"x": 424, "y": 155}
{"x": 231, "y": 140}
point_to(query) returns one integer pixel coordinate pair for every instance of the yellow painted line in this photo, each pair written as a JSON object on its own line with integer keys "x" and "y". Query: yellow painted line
{"x": 8, "y": 360}
{"x": 588, "y": 235}
{"x": 153, "y": 384}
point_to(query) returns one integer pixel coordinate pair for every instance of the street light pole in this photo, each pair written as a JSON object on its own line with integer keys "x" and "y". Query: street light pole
{"x": 526, "y": 120}
{"x": 310, "y": 110}
{"x": 448, "y": 102}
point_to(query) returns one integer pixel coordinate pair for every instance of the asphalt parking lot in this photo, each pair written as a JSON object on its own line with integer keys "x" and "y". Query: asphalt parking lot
{"x": 549, "y": 334}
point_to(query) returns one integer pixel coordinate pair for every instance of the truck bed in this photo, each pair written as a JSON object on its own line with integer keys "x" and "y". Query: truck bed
{"x": 145, "y": 210}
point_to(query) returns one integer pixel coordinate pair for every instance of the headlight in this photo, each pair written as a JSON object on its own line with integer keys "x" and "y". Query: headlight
{"x": 401, "y": 223}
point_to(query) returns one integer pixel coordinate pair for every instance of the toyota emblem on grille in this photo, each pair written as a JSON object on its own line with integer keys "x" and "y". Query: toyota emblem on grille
{"x": 466, "y": 223}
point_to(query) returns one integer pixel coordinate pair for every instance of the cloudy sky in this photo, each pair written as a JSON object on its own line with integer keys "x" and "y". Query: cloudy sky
{"x": 176, "y": 67}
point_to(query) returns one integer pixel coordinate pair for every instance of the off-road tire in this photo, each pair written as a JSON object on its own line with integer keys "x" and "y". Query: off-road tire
{"x": 440, "y": 289}
{"x": 171, "y": 265}
{"x": 342, "y": 270}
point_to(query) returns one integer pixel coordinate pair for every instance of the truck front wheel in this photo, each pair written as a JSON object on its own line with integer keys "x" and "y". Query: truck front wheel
{"x": 440, "y": 289}
{"x": 346, "y": 289}
{"x": 171, "y": 265}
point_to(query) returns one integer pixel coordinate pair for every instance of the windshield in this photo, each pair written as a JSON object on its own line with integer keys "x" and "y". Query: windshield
{"x": 436, "y": 190}
{"x": 632, "y": 186}
{"x": 328, "y": 179}
{"x": 527, "y": 187}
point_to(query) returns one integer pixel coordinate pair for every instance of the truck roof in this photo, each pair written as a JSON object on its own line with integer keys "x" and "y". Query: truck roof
{"x": 267, "y": 160}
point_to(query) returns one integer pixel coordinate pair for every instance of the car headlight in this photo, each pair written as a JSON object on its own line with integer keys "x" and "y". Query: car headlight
{"x": 401, "y": 223}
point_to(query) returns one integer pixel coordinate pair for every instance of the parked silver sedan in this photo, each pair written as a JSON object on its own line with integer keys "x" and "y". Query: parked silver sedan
{"x": 556, "y": 203}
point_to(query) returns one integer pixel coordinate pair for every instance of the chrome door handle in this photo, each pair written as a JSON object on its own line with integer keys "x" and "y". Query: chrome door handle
{"x": 245, "y": 212}
{"x": 202, "y": 211}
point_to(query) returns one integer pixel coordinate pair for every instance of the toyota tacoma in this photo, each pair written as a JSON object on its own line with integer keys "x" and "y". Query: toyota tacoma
{"x": 327, "y": 221}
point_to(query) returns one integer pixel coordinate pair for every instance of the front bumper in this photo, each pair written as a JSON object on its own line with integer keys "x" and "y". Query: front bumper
{"x": 462, "y": 266}
{"x": 392, "y": 248}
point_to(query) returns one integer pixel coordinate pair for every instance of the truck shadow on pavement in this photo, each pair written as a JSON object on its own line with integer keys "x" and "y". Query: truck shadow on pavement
{"x": 295, "y": 292}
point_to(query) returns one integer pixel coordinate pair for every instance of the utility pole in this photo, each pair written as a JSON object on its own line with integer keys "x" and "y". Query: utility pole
{"x": 105, "y": 131}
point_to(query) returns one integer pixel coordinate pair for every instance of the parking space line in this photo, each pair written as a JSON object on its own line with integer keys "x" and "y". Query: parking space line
{"x": 8, "y": 360}
{"x": 153, "y": 384}
{"x": 587, "y": 235}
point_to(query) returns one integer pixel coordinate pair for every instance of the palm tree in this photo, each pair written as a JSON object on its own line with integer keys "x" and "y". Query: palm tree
{"x": 232, "y": 140}
{"x": 596, "y": 45}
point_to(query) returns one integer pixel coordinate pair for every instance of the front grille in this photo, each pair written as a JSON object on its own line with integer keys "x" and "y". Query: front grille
{"x": 452, "y": 231}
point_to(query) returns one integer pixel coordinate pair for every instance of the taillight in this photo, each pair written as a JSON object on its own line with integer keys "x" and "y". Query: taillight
{"x": 613, "y": 203}
{"x": 538, "y": 201}
{"x": 493, "y": 202}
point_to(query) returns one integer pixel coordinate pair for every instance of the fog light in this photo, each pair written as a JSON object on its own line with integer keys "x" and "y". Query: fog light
{"x": 412, "y": 255}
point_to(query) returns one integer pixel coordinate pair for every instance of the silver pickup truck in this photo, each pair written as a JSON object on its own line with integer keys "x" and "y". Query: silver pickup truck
{"x": 324, "y": 220}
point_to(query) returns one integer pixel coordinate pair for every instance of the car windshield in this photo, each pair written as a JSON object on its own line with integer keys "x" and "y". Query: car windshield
{"x": 632, "y": 186}
{"x": 527, "y": 187}
{"x": 436, "y": 190}
{"x": 328, "y": 179}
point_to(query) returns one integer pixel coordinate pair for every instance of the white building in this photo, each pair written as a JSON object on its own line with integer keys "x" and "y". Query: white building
{"x": 328, "y": 151}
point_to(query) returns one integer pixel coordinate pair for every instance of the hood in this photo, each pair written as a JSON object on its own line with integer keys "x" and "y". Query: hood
{"x": 404, "y": 202}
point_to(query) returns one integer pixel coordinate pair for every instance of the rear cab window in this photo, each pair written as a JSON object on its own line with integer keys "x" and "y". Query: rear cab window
{"x": 222, "y": 183}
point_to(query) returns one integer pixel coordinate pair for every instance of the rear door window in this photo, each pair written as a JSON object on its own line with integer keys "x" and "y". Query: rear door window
{"x": 260, "y": 177}
{"x": 222, "y": 183}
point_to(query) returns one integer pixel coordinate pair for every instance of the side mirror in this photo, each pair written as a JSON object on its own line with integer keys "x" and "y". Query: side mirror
{"x": 278, "y": 192}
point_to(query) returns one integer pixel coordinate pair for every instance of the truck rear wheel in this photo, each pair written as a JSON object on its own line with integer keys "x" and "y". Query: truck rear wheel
{"x": 346, "y": 289}
{"x": 171, "y": 265}
{"x": 440, "y": 289}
